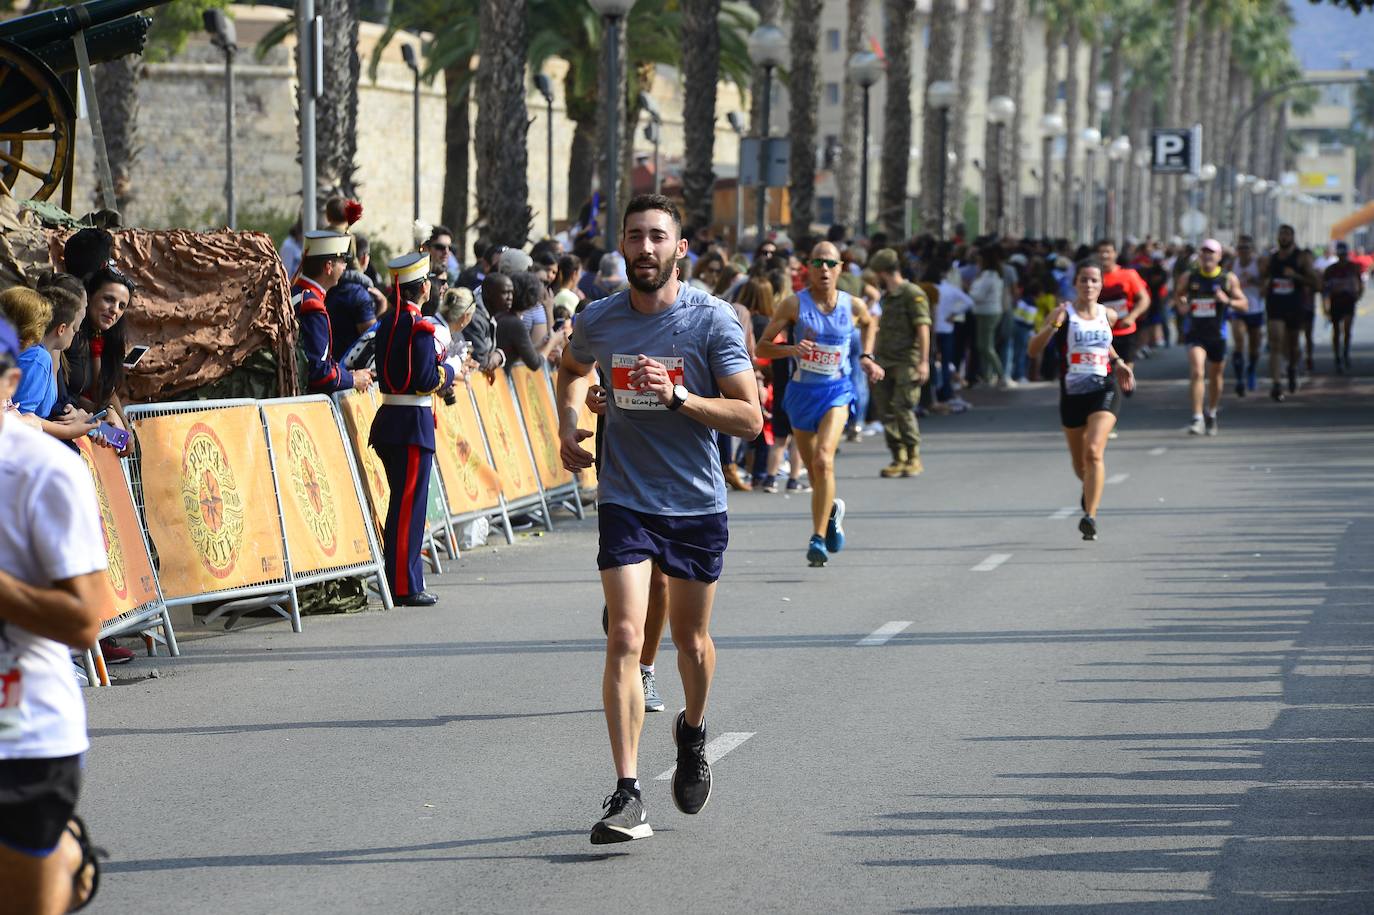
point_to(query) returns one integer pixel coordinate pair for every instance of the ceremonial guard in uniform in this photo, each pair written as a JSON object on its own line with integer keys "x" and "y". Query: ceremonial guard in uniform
{"x": 324, "y": 261}
{"x": 409, "y": 371}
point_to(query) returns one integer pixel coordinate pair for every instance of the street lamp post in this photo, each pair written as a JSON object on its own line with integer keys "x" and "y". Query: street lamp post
{"x": 1258, "y": 188}
{"x": 1001, "y": 109}
{"x": 1114, "y": 218}
{"x": 1087, "y": 215}
{"x": 413, "y": 62}
{"x": 1142, "y": 201}
{"x": 865, "y": 69}
{"x": 653, "y": 132}
{"x": 224, "y": 36}
{"x": 767, "y": 49}
{"x": 545, "y": 87}
{"x": 941, "y": 95}
{"x": 737, "y": 124}
{"x": 612, "y": 12}
{"x": 1051, "y": 126}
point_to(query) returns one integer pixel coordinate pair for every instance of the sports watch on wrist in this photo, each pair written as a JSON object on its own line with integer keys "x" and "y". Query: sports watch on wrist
{"x": 680, "y": 396}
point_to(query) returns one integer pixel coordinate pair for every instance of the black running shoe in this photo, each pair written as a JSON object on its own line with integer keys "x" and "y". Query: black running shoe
{"x": 1292, "y": 379}
{"x": 692, "y": 779}
{"x": 1276, "y": 392}
{"x": 625, "y": 820}
{"x": 1088, "y": 528}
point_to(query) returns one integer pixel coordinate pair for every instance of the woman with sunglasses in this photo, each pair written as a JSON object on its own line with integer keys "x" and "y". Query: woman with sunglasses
{"x": 820, "y": 393}
{"x": 1088, "y": 383}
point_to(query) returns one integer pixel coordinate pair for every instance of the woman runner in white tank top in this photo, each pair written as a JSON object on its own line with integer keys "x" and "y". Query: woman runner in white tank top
{"x": 1091, "y": 377}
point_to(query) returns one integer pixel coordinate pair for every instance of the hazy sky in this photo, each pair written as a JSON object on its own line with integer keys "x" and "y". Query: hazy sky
{"x": 1324, "y": 32}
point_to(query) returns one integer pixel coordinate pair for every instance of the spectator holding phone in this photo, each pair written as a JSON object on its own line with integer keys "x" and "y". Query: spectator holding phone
{"x": 513, "y": 296}
{"x": 52, "y": 576}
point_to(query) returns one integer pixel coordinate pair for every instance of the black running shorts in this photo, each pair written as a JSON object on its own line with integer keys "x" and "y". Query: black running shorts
{"x": 1125, "y": 345}
{"x": 1290, "y": 316}
{"x": 1074, "y": 409}
{"x": 682, "y": 546}
{"x": 37, "y": 799}
{"x": 1215, "y": 346}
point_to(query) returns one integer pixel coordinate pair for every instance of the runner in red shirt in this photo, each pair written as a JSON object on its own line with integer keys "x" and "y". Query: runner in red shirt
{"x": 1342, "y": 286}
{"x": 1124, "y": 292}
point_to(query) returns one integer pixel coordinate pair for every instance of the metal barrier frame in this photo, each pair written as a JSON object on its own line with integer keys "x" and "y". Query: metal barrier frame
{"x": 238, "y": 601}
{"x": 497, "y": 512}
{"x": 440, "y": 530}
{"x": 537, "y": 501}
{"x": 377, "y": 567}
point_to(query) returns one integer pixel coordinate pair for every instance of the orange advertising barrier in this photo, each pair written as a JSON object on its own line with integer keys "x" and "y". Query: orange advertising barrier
{"x": 130, "y": 572}
{"x": 541, "y": 424}
{"x": 587, "y": 420}
{"x": 358, "y": 411}
{"x": 470, "y": 482}
{"x": 497, "y": 409}
{"x": 209, "y": 501}
{"x": 324, "y": 522}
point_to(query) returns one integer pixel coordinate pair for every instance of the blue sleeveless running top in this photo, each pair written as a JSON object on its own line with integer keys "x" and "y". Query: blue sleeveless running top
{"x": 831, "y": 334}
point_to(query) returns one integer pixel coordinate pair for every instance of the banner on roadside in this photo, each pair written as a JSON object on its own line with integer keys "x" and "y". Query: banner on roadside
{"x": 497, "y": 409}
{"x": 541, "y": 425}
{"x": 470, "y": 482}
{"x": 358, "y": 411}
{"x": 129, "y": 570}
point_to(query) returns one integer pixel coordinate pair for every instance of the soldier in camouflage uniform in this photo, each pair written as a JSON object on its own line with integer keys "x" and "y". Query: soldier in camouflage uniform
{"x": 903, "y": 351}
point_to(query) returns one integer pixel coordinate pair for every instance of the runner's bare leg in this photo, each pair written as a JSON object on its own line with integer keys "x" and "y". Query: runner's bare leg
{"x": 627, "y": 598}
{"x": 689, "y": 609}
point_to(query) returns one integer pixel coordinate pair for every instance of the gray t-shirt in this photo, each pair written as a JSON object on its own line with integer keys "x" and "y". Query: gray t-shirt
{"x": 655, "y": 460}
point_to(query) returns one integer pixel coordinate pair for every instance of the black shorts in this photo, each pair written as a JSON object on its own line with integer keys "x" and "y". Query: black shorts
{"x": 1074, "y": 409}
{"x": 682, "y": 546}
{"x": 1290, "y": 316}
{"x": 37, "y": 799}
{"x": 1125, "y": 345}
{"x": 1340, "y": 311}
{"x": 1215, "y": 346}
{"x": 782, "y": 423}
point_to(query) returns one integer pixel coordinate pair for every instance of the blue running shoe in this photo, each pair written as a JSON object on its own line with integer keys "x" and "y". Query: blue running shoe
{"x": 1250, "y": 379}
{"x": 815, "y": 551}
{"x": 834, "y": 531}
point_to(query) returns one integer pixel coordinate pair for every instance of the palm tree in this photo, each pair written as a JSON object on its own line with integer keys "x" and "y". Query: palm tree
{"x": 336, "y": 111}
{"x": 1004, "y": 78}
{"x": 851, "y": 146}
{"x": 803, "y": 90}
{"x": 502, "y": 122}
{"x": 1173, "y": 115}
{"x": 899, "y": 18}
{"x": 700, "y": 73}
{"x": 1073, "y": 42}
{"x": 939, "y": 66}
{"x": 970, "y": 45}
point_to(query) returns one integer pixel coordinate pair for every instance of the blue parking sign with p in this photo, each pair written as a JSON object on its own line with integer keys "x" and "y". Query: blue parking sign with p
{"x": 1175, "y": 150}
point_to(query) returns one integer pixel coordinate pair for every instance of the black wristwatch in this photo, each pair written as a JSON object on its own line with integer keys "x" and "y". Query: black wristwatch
{"x": 680, "y": 396}
{"x": 868, "y": 356}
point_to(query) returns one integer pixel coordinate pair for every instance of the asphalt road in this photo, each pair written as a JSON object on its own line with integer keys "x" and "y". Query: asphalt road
{"x": 1176, "y": 718}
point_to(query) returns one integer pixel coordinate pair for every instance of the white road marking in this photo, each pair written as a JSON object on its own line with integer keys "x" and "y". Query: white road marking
{"x": 1117, "y": 478}
{"x": 1156, "y": 452}
{"x": 883, "y": 633}
{"x": 715, "y": 749}
{"x": 1064, "y": 513}
{"x": 992, "y": 562}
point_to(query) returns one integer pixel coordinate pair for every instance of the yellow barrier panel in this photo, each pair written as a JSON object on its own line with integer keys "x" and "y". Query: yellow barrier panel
{"x": 130, "y": 572}
{"x": 587, "y": 420}
{"x": 497, "y": 409}
{"x": 541, "y": 423}
{"x": 325, "y": 526}
{"x": 470, "y": 482}
{"x": 209, "y": 500}
{"x": 358, "y": 411}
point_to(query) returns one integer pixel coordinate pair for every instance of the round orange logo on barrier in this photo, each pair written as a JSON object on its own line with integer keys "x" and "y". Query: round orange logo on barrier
{"x": 505, "y": 440}
{"x": 213, "y": 504}
{"x": 310, "y": 485}
{"x": 114, "y": 549}
{"x": 534, "y": 396}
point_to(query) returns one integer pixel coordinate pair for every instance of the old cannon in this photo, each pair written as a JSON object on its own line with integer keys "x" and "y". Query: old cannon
{"x": 37, "y": 113}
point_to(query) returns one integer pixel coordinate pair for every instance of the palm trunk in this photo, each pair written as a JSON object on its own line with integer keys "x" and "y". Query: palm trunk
{"x": 700, "y": 74}
{"x": 1139, "y": 107}
{"x": 803, "y": 89}
{"x": 502, "y": 123}
{"x": 899, "y": 18}
{"x": 1050, "y": 102}
{"x": 581, "y": 165}
{"x": 1013, "y": 14}
{"x": 612, "y": 103}
{"x": 1072, "y": 88}
{"x": 457, "y": 136}
{"x": 1117, "y": 70}
{"x": 851, "y": 137}
{"x": 336, "y": 111}
{"x": 970, "y": 45}
{"x": 1174, "y": 113}
{"x": 997, "y": 190}
{"x": 116, "y": 89}
{"x": 939, "y": 66}
{"x": 1242, "y": 156}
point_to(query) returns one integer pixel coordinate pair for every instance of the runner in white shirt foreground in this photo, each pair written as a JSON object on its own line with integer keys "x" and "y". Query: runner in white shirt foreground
{"x": 53, "y": 595}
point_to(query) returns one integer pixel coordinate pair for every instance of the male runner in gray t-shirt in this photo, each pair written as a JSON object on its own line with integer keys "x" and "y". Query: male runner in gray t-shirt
{"x": 679, "y": 374}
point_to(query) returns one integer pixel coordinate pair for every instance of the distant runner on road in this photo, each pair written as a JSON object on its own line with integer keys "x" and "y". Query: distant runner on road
{"x": 1203, "y": 297}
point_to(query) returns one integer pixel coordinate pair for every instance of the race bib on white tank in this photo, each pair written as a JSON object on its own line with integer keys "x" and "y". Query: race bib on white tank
{"x": 1088, "y": 363}
{"x": 824, "y": 360}
{"x": 11, "y": 693}
{"x": 628, "y": 397}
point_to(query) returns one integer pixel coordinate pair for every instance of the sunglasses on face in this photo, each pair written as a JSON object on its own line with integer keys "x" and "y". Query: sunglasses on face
{"x": 436, "y": 246}
{"x": 824, "y": 262}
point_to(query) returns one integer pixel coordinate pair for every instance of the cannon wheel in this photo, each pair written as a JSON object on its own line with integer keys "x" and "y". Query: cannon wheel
{"x": 36, "y": 125}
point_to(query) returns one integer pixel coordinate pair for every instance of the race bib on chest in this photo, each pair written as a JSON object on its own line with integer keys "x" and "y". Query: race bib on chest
{"x": 1087, "y": 363}
{"x": 823, "y": 360}
{"x": 11, "y": 693}
{"x": 1283, "y": 286}
{"x": 1205, "y": 308}
{"x": 628, "y": 397}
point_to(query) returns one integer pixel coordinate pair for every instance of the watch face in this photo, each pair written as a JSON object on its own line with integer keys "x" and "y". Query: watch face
{"x": 679, "y": 392}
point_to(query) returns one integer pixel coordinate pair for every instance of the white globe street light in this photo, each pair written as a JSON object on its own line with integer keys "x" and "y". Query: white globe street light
{"x": 1001, "y": 111}
{"x": 1207, "y": 172}
{"x": 1051, "y": 126}
{"x": 767, "y": 49}
{"x": 767, "y": 46}
{"x": 1087, "y": 207}
{"x": 865, "y": 69}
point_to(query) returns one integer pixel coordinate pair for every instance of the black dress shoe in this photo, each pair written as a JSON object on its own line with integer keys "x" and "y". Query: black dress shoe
{"x": 418, "y": 599}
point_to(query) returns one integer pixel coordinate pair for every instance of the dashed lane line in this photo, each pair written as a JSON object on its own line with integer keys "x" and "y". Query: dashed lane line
{"x": 1067, "y": 512}
{"x": 715, "y": 749}
{"x": 992, "y": 562}
{"x": 1117, "y": 478}
{"x": 883, "y": 633}
{"x": 1156, "y": 452}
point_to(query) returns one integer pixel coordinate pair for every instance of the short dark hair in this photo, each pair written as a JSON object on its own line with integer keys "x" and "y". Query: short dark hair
{"x": 437, "y": 231}
{"x": 493, "y": 253}
{"x": 360, "y": 245}
{"x": 334, "y": 210}
{"x": 87, "y": 251}
{"x": 314, "y": 265}
{"x": 643, "y": 203}
{"x": 1103, "y": 241}
{"x": 1288, "y": 227}
{"x": 544, "y": 258}
{"x": 528, "y": 290}
{"x": 411, "y": 292}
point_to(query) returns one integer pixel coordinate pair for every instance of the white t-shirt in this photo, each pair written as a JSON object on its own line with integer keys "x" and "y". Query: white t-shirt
{"x": 953, "y": 301}
{"x": 49, "y": 531}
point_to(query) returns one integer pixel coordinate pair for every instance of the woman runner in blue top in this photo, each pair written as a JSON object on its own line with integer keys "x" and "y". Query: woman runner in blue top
{"x": 820, "y": 392}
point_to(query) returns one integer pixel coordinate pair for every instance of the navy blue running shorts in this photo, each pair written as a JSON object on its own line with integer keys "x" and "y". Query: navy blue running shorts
{"x": 682, "y": 546}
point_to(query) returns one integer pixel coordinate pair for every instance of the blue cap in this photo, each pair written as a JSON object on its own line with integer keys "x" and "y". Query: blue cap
{"x": 9, "y": 340}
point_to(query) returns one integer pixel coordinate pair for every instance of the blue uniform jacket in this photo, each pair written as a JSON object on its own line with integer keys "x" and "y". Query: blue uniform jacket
{"x": 407, "y": 364}
{"x": 323, "y": 373}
